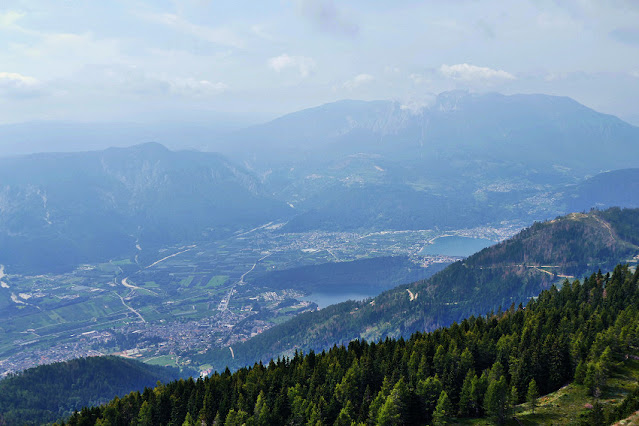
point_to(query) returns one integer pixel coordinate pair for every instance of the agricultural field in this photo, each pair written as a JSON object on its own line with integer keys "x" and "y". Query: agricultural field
{"x": 175, "y": 301}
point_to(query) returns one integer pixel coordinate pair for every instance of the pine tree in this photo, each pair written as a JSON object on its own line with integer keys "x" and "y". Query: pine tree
{"x": 429, "y": 390}
{"x": 236, "y": 418}
{"x": 443, "y": 410}
{"x": 466, "y": 406}
{"x": 261, "y": 411}
{"x": 495, "y": 402}
{"x": 188, "y": 420}
{"x": 532, "y": 395}
{"x": 393, "y": 411}
{"x": 514, "y": 399}
{"x": 580, "y": 373}
{"x": 345, "y": 416}
{"x": 145, "y": 417}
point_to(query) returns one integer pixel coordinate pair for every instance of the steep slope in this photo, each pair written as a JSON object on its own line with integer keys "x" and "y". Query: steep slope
{"x": 47, "y": 393}
{"x": 583, "y": 333}
{"x": 507, "y": 273}
{"x": 59, "y": 210}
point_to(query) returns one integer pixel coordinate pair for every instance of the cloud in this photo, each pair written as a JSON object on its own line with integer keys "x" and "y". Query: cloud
{"x": 358, "y": 81}
{"x": 327, "y": 17}
{"x": 196, "y": 88}
{"x": 14, "y": 85}
{"x": 9, "y": 18}
{"x": 304, "y": 65}
{"x": 221, "y": 36}
{"x": 418, "y": 78}
{"x": 626, "y": 35}
{"x": 466, "y": 72}
{"x": 417, "y": 105}
{"x": 262, "y": 33}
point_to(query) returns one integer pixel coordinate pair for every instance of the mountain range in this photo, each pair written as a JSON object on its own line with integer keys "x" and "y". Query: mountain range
{"x": 60, "y": 210}
{"x": 468, "y": 160}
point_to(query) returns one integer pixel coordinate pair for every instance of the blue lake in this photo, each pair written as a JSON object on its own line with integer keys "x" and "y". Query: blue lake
{"x": 325, "y": 299}
{"x": 456, "y": 246}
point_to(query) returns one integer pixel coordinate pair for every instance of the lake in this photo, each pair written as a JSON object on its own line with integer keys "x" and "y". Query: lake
{"x": 325, "y": 299}
{"x": 456, "y": 246}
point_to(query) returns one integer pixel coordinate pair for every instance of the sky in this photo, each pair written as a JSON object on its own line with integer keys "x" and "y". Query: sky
{"x": 192, "y": 60}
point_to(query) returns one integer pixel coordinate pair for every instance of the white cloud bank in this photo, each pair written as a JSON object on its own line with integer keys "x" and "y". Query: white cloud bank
{"x": 197, "y": 88}
{"x": 9, "y": 18}
{"x": 16, "y": 85}
{"x": 304, "y": 65}
{"x": 358, "y": 81}
{"x": 467, "y": 72}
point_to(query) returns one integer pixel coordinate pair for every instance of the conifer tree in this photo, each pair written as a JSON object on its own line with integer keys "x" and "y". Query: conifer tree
{"x": 532, "y": 395}
{"x": 443, "y": 410}
{"x": 495, "y": 402}
{"x": 466, "y": 406}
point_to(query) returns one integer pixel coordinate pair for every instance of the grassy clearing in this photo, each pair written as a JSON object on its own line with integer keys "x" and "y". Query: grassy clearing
{"x": 566, "y": 406}
{"x": 217, "y": 281}
{"x": 163, "y": 360}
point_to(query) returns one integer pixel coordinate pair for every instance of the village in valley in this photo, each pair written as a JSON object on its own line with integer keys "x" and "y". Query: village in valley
{"x": 161, "y": 306}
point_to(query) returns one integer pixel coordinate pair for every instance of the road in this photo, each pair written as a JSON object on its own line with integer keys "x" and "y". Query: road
{"x": 168, "y": 257}
{"x": 224, "y": 303}
{"x": 126, "y": 283}
{"x": 129, "y": 307}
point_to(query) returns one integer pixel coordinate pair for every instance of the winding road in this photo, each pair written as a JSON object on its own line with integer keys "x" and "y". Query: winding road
{"x": 129, "y": 307}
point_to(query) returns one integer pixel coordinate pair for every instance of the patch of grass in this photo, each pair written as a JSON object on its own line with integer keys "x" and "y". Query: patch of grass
{"x": 186, "y": 282}
{"x": 164, "y": 360}
{"x": 567, "y": 404}
{"x": 217, "y": 281}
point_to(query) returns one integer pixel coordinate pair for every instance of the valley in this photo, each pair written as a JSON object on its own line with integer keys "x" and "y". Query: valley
{"x": 163, "y": 305}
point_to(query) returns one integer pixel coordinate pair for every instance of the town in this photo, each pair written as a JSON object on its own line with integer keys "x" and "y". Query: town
{"x": 160, "y": 307}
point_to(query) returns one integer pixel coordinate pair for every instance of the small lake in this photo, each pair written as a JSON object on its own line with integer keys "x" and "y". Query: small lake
{"x": 325, "y": 299}
{"x": 456, "y": 246}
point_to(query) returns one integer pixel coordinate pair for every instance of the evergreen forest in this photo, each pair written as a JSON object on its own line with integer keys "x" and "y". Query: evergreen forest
{"x": 478, "y": 368}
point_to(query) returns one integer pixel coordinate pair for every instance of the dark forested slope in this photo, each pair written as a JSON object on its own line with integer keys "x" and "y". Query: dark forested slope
{"x": 47, "y": 393}
{"x": 477, "y": 368}
{"x": 506, "y": 273}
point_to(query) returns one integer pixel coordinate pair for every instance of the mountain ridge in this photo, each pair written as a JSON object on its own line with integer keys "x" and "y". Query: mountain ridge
{"x": 95, "y": 205}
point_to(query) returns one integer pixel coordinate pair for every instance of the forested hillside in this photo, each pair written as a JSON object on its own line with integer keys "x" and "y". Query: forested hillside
{"x": 479, "y": 367}
{"x": 47, "y": 393}
{"x": 509, "y": 272}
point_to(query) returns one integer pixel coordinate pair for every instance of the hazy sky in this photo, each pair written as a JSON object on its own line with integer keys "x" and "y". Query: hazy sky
{"x": 151, "y": 60}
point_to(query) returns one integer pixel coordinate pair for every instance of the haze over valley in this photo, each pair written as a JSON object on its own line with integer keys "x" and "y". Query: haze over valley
{"x": 318, "y": 212}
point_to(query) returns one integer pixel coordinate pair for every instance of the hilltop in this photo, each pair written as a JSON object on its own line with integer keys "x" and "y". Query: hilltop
{"x": 50, "y": 392}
